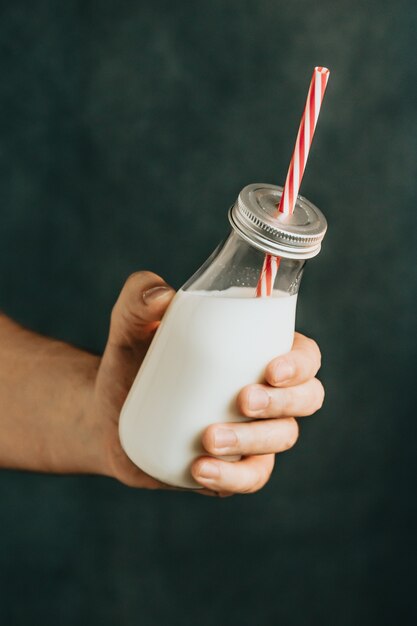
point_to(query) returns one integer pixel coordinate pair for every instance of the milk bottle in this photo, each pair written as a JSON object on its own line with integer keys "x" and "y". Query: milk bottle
{"x": 217, "y": 336}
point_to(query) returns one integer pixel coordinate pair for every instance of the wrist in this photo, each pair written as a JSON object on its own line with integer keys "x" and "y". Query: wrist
{"x": 72, "y": 437}
{"x": 91, "y": 431}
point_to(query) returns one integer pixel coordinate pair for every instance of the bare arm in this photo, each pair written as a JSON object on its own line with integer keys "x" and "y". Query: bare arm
{"x": 60, "y": 406}
{"x": 44, "y": 390}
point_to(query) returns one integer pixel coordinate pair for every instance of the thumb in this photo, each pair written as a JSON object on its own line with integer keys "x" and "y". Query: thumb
{"x": 139, "y": 308}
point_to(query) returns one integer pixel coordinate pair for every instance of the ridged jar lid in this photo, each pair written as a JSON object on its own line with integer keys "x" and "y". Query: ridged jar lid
{"x": 256, "y": 218}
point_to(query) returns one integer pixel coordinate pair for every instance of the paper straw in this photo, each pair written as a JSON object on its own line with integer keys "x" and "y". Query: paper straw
{"x": 296, "y": 169}
{"x": 267, "y": 277}
{"x": 304, "y": 139}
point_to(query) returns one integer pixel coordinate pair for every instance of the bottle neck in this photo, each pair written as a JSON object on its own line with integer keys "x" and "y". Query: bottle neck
{"x": 235, "y": 263}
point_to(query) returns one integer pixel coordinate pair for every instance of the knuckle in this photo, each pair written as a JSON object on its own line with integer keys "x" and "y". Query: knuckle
{"x": 132, "y": 279}
{"x": 269, "y": 439}
{"x": 141, "y": 275}
{"x": 289, "y": 400}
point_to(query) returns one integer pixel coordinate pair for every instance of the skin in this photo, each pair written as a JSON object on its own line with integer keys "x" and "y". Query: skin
{"x": 60, "y": 406}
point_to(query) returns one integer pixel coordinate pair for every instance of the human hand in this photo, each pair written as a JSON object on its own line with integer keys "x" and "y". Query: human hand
{"x": 134, "y": 320}
{"x": 135, "y": 317}
{"x": 291, "y": 390}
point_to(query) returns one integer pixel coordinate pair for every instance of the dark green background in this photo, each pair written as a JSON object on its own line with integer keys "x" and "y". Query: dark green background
{"x": 127, "y": 130}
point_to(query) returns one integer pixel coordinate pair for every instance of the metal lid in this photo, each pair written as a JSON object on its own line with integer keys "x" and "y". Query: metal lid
{"x": 256, "y": 219}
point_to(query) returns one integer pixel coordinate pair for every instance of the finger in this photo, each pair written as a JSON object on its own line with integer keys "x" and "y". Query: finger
{"x": 259, "y": 437}
{"x": 246, "y": 476}
{"x": 124, "y": 470}
{"x": 297, "y": 366}
{"x": 264, "y": 401}
{"x": 139, "y": 308}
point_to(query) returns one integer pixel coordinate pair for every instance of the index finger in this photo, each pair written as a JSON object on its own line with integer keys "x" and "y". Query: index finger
{"x": 297, "y": 366}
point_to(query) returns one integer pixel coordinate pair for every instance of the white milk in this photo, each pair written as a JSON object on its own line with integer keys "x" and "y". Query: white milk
{"x": 209, "y": 346}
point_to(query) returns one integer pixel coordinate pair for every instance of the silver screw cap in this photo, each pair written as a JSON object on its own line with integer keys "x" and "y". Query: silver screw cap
{"x": 255, "y": 217}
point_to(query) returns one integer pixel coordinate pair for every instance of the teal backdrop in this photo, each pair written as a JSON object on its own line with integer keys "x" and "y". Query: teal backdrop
{"x": 127, "y": 130}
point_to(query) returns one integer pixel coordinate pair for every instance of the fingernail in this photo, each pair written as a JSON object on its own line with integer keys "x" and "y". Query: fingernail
{"x": 154, "y": 293}
{"x": 209, "y": 470}
{"x": 225, "y": 438}
{"x": 258, "y": 398}
{"x": 283, "y": 371}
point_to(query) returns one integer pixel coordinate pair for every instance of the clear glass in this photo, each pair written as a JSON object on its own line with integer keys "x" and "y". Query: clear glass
{"x": 215, "y": 338}
{"x": 235, "y": 263}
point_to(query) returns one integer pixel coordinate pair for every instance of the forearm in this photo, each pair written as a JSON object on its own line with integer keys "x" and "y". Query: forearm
{"x": 45, "y": 387}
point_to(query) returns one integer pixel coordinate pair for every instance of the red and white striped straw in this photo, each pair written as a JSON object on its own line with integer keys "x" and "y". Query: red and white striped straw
{"x": 269, "y": 271}
{"x": 296, "y": 169}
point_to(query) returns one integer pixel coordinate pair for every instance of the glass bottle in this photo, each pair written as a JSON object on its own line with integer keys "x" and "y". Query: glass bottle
{"x": 217, "y": 336}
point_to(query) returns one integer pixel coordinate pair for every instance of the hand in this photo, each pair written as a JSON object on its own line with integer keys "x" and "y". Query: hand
{"x": 135, "y": 317}
{"x": 134, "y": 320}
{"x": 291, "y": 389}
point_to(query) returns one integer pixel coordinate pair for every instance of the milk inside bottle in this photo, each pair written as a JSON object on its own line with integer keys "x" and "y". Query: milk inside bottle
{"x": 217, "y": 336}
